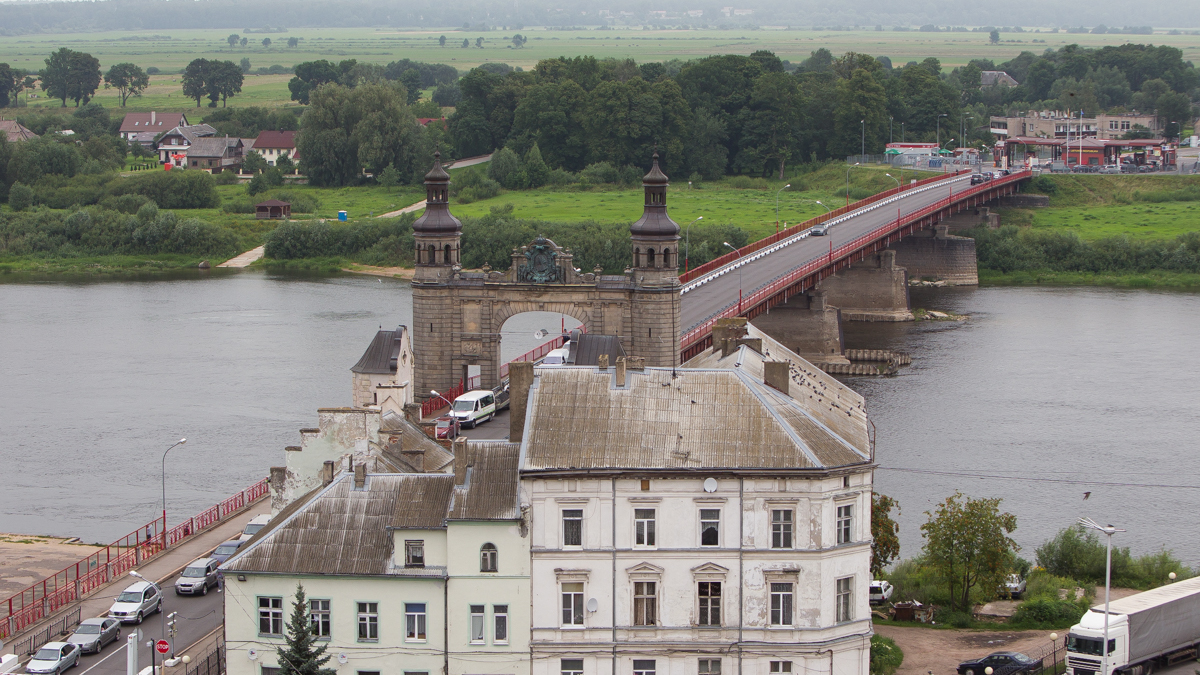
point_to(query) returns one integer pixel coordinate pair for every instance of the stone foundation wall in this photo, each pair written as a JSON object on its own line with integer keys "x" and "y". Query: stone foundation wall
{"x": 874, "y": 289}
{"x": 950, "y": 259}
{"x": 807, "y": 326}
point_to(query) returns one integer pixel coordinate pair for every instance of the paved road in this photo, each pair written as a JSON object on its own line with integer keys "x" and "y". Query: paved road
{"x": 496, "y": 430}
{"x": 702, "y": 302}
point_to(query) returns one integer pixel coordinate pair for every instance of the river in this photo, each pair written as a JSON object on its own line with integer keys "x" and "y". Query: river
{"x": 100, "y": 377}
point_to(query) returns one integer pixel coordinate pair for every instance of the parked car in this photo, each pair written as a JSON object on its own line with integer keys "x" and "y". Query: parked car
{"x": 819, "y": 230}
{"x": 54, "y": 657}
{"x": 474, "y": 407}
{"x": 1110, "y": 168}
{"x": 976, "y": 179}
{"x": 92, "y": 634}
{"x": 447, "y": 427}
{"x": 197, "y": 577}
{"x": 136, "y": 603}
{"x": 256, "y": 523}
{"x": 881, "y": 591}
{"x": 226, "y": 550}
{"x": 1001, "y": 663}
{"x": 1014, "y": 586}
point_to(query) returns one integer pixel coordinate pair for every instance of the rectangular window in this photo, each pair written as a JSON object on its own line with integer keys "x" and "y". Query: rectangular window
{"x": 710, "y": 527}
{"x": 414, "y": 553}
{"x": 368, "y": 621}
{"x": 270, "y": 616}
{"x": 710, "y": 603}
{"x": 845, "y": 519}
{"x": 845, "y": 590}
{"x": 572, "y": 604}
{"x": 781, "y": 528}
{"x": 571, "y": 667}
{"x": 710, "y": 667}
{"x": 643, "y": 523}
{"x": 268, "y": 670}
{"x": 645, "y": 603}
{"x": 781, "y": 604}
{"x": 477, "y": 624}
{"x": 500, "y": 624}
{"x": 572, "y": 527}
{"x": 318, "y": 616}
{"x": 368, "y": 672}
{"x": 414, "y": 621}
{"x": 781, "y": 666}
{"x": 643, "y": 667}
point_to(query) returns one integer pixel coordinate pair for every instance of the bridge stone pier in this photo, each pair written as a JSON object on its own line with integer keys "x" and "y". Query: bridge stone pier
{"x": 936, "y": 255}
{"x": 807, "y": 325}
{"x": 872, "y": 289}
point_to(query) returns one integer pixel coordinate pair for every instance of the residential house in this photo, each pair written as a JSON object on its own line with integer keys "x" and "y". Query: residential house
{"x": 404, "y": 573}
{"x": 701, "y": 520}
{"x": 173, "y": 146}
{"x": 1058, "y": 124}
{"x": 385, "y": 371}
{"x": 215, "y": 154}
{"x": 14, "y": 132}
{"x": 143, "y": 127}
{"x": 275, "y": 144}
{"x": 994, "y": 78}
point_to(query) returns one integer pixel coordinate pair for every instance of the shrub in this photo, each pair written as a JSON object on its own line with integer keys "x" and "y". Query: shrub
{"x": 600, "y": 173}
{"x": 914, "y": 581}
{"x": 298, "y": 240}
{"x": 125, "y": 203}
{"x": 227, "y": 177}
{"x": 1043, "y": 185}
{"x": 954, "y": 618}
{"x": 560, "y": 177}
{"x": 860, "y": 193}
{"x": 20, "y": 196}
{"x": 238, "y": 206}
{"x": 301, "y": 202}
{"x": 748, "y": 183}
{"x": 172, "y": 189}
{"x": 1046, "y": 613}
{"x": 505, "y": 168}
{"x": 886, "y": 657}
{"x": 389, "y": 177}
{"x": 472, "y": 185}
{"x": 536, "y": 171}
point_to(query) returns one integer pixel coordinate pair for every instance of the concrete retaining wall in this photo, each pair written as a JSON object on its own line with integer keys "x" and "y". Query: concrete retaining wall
{"x": 950, "y": 259}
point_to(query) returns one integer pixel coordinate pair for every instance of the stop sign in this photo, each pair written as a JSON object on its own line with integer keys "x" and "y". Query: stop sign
{"x": 162, "y": 646}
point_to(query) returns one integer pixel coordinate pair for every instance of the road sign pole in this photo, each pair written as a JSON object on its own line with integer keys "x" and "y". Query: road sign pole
{"x": 131, "y": 655}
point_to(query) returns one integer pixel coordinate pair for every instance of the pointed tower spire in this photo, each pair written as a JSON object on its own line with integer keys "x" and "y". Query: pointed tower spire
{"x": 655, "y": 224}
{"x": 437, "y": 218}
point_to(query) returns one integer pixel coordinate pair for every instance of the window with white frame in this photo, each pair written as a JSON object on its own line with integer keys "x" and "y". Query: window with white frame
{"x": 709, "y": 593}
{"x": 318, "y": 617}
{"x": 572, "y": 604}
{"x": 710, "y": 527}
{"x": 643, "y": 667}
{"x": 572, "y": 524}
{"x": 845, "y": 593}
{"x": 571, "y": 667}
{"x": 643, "y": 525}
{"x": 845, "y": 522}
{"x": 781, "y": 528}
{"x": 414, "y": 553}
{"x": 270, "y": 616}
{"x": 781, "y": 603}
{"x": 368, "y": 621}
{"x": 414, "y": 621}
{"x": 645, "y": 603}
{"x": 500, "y": 624}
{"x": 477, "y": 619}
{"x": 781, "y": 666}
{"x": 488, "y": 558}
{"x": 709, "y": 667}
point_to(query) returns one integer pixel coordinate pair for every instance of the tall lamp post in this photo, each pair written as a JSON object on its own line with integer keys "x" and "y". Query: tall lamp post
{"x": 164, "y": 489}
{"x": 848, "y": 182}
{"x": 895, "y": 179}
{"x": 687, "y": 239}
{"x": 1108, "y": 531}
{"x": 862, "y": 152}
{"x": 939, "y": 128}
{"x": 948, "y": 142}
{"x": 739, "y": 276}
{"x": 827, "y": 209}
{"x": 777, "y": 205}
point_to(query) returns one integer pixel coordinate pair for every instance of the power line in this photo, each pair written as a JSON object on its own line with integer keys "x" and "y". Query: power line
{"x": 1066, "y": 481}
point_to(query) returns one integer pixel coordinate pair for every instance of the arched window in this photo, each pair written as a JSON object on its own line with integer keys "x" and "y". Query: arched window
{"x": 487, "y": 558}
{"x": 649, "y": 257}
{"x": 446, "y": 254}
{"x": 666, "y": 257}
{"x": 637, "y": 257}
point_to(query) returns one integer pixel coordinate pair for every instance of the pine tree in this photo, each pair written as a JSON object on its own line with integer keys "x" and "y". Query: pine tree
{"x": 301, "y": 656}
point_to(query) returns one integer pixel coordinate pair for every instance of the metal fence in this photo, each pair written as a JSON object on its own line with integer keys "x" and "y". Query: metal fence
{"x": 212, "y": 663}
{"x": 60, "y": 626}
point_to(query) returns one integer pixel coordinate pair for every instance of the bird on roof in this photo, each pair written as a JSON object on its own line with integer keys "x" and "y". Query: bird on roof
{"x": 1086, "y": 495}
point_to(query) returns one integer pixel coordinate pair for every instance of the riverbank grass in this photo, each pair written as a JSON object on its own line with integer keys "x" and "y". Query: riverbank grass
{"x": 1132, "y": 280}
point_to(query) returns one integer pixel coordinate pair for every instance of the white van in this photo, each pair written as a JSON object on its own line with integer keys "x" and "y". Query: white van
{"x": 556, "y": 357}
{"x": 474, "y": 407}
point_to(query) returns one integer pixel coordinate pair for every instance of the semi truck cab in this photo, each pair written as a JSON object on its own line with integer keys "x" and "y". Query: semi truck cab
{"x": 1084, "y": 653}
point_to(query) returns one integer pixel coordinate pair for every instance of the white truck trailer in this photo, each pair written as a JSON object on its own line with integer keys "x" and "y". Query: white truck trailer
{"x": 1145, "y": 631}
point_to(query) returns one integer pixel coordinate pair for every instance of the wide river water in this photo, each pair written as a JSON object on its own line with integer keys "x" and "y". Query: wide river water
{"x": 1041, "y": 396}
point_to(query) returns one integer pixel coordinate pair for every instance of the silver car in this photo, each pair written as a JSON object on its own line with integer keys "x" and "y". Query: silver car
{"x": 93, "y": 634}
{"x": 53, "y": 658}
{"x": 136, "y": 603}
{"x": 226, "y": 550}
{"x": 197, "y": 577}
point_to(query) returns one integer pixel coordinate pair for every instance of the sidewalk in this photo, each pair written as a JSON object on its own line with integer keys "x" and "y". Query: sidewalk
{"x": 161, "y": 568}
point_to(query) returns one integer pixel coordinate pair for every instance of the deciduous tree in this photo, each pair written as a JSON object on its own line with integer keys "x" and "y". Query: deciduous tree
{"x": 885, "y": 533}
{"x": 224, "y": 80}
{"x": 442, "y": 41}
{"x": 195, "y": 79}
{"x": 411, "y": 80}
{"x": 266, "y": 42}
{"x": 967, "y": 542}
{"x": 128, "y": 79}
{"x": 233, "y": 40}
{"x": 10, "y": 84}
{"x": 770, "y": 125}
{"x": 71, "y": 75}
{"x": 293, "y": 42}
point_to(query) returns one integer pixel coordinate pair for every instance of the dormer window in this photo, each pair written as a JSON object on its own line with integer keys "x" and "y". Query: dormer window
{"x": 414, "y": 553}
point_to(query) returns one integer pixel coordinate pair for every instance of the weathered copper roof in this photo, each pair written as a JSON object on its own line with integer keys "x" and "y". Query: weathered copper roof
{"x": 437, "y": 173}
{"x": 490, "y": 490}
{"x": 655, "y": 176}
{"x": 673, "y": 420}
{"x": 437, "y": 218}
{"x": 655, "y": 223}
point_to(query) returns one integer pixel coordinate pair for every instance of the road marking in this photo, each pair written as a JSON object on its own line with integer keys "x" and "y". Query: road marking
{"x": 112, "y": 654}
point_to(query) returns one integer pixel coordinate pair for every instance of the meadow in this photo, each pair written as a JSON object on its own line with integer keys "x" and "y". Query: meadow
{"x": 170, "y": 52}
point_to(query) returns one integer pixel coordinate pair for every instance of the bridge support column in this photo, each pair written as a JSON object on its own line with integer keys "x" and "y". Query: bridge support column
{"x": 873, "y": 289}
{"x": 936, "y": 255}
{"x": 807, "y": 325}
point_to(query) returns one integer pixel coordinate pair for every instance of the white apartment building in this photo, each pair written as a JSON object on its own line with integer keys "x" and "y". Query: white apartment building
{"x": 415, "y": 574}
{"x": 710, "y": 520}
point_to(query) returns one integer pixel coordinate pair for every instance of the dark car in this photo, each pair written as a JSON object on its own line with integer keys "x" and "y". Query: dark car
{"x": 976, "y": 179}
{"x": 1001, "y": 663}
{"x": 92, "y": 634}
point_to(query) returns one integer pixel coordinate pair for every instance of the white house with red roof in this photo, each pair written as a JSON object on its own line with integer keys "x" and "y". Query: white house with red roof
{"x": 275, "y": 144}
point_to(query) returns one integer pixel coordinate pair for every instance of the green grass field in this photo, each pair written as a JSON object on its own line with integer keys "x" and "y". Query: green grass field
{"x": 1137, "y": 221}
{"x": 170, "y": 51}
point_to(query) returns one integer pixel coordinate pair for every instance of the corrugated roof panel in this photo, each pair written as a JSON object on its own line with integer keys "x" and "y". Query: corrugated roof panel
{"x": 491, "y": 492}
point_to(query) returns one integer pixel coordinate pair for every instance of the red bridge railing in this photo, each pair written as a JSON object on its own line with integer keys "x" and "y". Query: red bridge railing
{"x": 81, "y": 579}
{"x": 692, "y": 342}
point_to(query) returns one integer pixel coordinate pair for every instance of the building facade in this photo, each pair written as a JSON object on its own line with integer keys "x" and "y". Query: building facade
{"x": 1057, "y": 124}
{"x": 384, "y": 374}
{"x": 273, "y": 145}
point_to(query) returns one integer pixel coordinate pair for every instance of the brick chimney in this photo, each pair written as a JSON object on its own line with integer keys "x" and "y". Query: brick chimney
{"x": 461, "y": 461}
{"x": 520, "y": 379}
{"x": 602, "y": 361}
{"x": 620, "y": 371}
{"x": 327, "y": 473}
{"x": 360, "y": 476}
{"x": 777, "y": 375}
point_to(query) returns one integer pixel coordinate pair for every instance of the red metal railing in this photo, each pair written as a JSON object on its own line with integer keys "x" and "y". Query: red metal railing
{"x": 436, "y": 403}
{"x": 717, "y": 263}
{"x": 694, "y": 340}
{"x": 82, "y": 578}
{"x": 534, "y": 354}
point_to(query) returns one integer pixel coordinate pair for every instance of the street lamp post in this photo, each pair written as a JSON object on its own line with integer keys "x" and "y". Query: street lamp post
{"x": 902, "y": 132}
{"x": 939, "y": 128}
{"x": 739, "y": 276}
{"x": 890, "y": 120}
{"x": 162, "y": 616}
{"x": 895, "y": 179}
{"x": 777, "y": 205}
{"x": 827, "y": 209}
{"x": 448, "y": 401}
{"x": 948, "y": 142}
{"x": 1108, "y": 531}
{"x": 862, "y": 151}
{"x": 164, "y": 490}
{"x": 687, "y": 239}
{"x": 848, "y": 182}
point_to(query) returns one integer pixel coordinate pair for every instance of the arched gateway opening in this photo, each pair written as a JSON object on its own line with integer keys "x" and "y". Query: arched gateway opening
{"x": 459, "y": 316}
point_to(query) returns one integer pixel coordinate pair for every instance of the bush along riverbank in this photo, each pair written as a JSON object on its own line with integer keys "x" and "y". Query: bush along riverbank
{"x": 1011, "y": 256}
